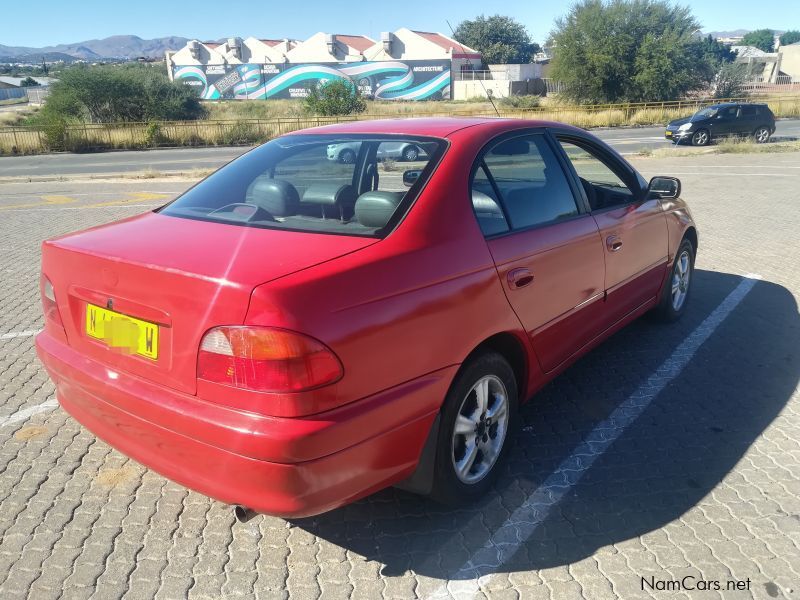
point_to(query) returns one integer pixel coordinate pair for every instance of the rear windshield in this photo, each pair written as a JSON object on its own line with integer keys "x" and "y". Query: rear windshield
{"x": 350, "y": 185}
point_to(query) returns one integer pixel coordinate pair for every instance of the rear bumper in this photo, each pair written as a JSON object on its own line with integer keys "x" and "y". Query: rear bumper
{"x": 291, "y": 467}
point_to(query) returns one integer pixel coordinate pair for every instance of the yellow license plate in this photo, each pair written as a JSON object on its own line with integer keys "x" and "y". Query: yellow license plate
{"x": 668, "y": 133}
{"x": 125, "y": 333}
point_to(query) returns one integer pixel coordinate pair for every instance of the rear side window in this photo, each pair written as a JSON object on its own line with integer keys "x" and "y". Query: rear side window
{"x": 352, "y": 184}
{"x": 748, "y": 110}
{"x": 525, "y": 177}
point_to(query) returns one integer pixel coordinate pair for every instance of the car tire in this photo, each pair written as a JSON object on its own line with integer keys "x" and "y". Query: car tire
{"x": 677, "y": 287}
{"x": 410, "y": 153}
{"x": 467, "y": 462}
{"x": 701, "y": 137}
{"x": 347, "y": 157}
{"x": 761, "y": 135}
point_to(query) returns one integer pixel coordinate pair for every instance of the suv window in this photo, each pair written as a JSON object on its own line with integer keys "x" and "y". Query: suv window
{"x": 603, "y": 187}
{"x": 729, "y": 112}
{"x": 527, "y": 179}
{"x": 748, "y": 110}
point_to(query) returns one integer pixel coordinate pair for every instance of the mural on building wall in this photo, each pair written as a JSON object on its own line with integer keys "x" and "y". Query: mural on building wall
{"x": 383, "y": 80}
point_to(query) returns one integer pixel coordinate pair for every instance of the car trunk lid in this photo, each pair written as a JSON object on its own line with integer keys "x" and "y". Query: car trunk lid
{"x": 183, "y": 275}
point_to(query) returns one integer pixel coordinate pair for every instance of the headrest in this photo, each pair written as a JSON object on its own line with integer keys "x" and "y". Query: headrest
{"x": 278, "y": 198}
{"x": 484, "y": 203}
{"x": 374, "y": 209}
{"x": 329, "y": 194}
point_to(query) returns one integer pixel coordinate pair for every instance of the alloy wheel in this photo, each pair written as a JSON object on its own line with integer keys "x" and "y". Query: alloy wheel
{"x": 680, "y": 280}
{"x": 762, "y": 135}
{"x": 700, "y": 138}
{"x": 480, "y": 429}
{"x": 411, "y": 154}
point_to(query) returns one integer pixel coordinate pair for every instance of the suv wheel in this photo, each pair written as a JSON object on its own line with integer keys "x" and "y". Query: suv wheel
{"x": 478, "y": 417}
{"x": 701, "y": 138}
{"x": 761, "y": 135}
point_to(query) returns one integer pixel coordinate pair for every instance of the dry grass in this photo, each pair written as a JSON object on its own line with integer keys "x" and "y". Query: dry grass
{"x": 746, "y": 146}
{"x": 730, "y": 146}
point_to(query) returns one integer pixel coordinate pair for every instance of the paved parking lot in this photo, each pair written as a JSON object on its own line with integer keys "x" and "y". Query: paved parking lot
{"x": 668, "y": 457}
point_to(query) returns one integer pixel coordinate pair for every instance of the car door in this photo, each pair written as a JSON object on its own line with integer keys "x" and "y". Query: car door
{"x": 748, "y": 119}
{"x": 633, "y": 228}
{"x": 726, "y": 122}
{"x": 544, "y": 243}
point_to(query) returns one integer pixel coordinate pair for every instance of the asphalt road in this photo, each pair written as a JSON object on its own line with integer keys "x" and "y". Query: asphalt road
{"x": 625, "y": 140}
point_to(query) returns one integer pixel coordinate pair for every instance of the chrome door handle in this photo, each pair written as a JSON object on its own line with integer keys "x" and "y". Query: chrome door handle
{"x": 613, "y": 243}
{"x": 518, "y": 278}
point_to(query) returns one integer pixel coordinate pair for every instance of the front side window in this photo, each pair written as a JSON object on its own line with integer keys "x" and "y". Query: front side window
{"x": 603, "y": 187}
{"x": 525, "y": 176}
{"x": 351, "y": 185}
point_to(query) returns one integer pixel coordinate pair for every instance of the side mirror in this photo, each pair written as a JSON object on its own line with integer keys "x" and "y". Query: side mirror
{"x": 410, "y": 177}
{"x": 664, "y": 187}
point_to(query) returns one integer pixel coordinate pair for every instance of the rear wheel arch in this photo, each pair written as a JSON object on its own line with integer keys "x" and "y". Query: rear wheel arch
{"x": 510, "y": 347}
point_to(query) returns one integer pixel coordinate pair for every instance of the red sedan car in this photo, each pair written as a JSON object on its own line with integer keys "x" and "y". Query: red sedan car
{"x": 294, "y": 333}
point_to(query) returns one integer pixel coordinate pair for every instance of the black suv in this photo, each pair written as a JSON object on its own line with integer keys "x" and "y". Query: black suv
{"x": 723, "y": 120}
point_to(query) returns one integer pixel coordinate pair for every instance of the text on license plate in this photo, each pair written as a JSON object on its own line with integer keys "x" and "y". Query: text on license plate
{"x": 668, "y": 133}
{"x": 121, "y": 331}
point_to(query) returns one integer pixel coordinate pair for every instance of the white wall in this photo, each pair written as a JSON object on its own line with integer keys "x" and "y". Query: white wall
{"x": 464, "y": 90}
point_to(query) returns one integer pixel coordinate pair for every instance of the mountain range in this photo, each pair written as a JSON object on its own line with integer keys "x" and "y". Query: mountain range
{"x": 132, "y": 46}
{"x": 116, "y": 46}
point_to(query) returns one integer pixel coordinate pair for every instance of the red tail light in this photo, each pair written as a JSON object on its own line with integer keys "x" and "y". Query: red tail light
{"x": 49, "y": 305}
{"x": 266, "y": 359}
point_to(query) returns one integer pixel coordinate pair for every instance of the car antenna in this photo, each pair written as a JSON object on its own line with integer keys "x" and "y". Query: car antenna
{"x": 485, "y": 91}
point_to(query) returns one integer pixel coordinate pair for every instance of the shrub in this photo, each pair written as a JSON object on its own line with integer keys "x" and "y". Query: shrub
{"x": 521, "y": 102}
{"x": 731, "y": 81}
{"x": 108, "y": 94}
{"x": 336, "y": 97}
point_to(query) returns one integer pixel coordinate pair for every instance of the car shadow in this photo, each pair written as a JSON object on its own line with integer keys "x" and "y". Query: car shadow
{"x": 676, "y": 452}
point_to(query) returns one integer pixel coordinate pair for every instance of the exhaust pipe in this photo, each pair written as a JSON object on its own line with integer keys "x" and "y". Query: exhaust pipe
{"x": 243, "y": 514}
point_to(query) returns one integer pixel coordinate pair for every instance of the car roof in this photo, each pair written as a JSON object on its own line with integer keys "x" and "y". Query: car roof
{"x": 431, "y": 126}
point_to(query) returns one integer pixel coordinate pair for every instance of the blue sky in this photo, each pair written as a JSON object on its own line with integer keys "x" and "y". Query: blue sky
{"x": 50, "y": 22}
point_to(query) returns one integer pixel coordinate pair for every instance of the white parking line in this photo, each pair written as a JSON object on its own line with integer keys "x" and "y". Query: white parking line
{"x": 27, "y": 413}
{"x": 526, "y": 519}
{"x": 19, "y": 334}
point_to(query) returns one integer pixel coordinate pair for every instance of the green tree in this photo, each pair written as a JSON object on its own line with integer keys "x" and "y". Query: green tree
{"x": 108, "y": 94}
{"x": 790, "y": 37}
{"x": 629, "y": 51}
{"x": 499, "y": 39}
{"x": 763, "y": 39}
{"x": 28, "y": 82}
{"x": 731, "y": 81}
{"x": 335, "y": 97}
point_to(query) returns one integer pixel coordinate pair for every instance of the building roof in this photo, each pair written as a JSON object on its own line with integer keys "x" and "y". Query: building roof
{"x": 445, "y": 42}
{"x": 15, "y": 81}
{"x": 359, "y": 42}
